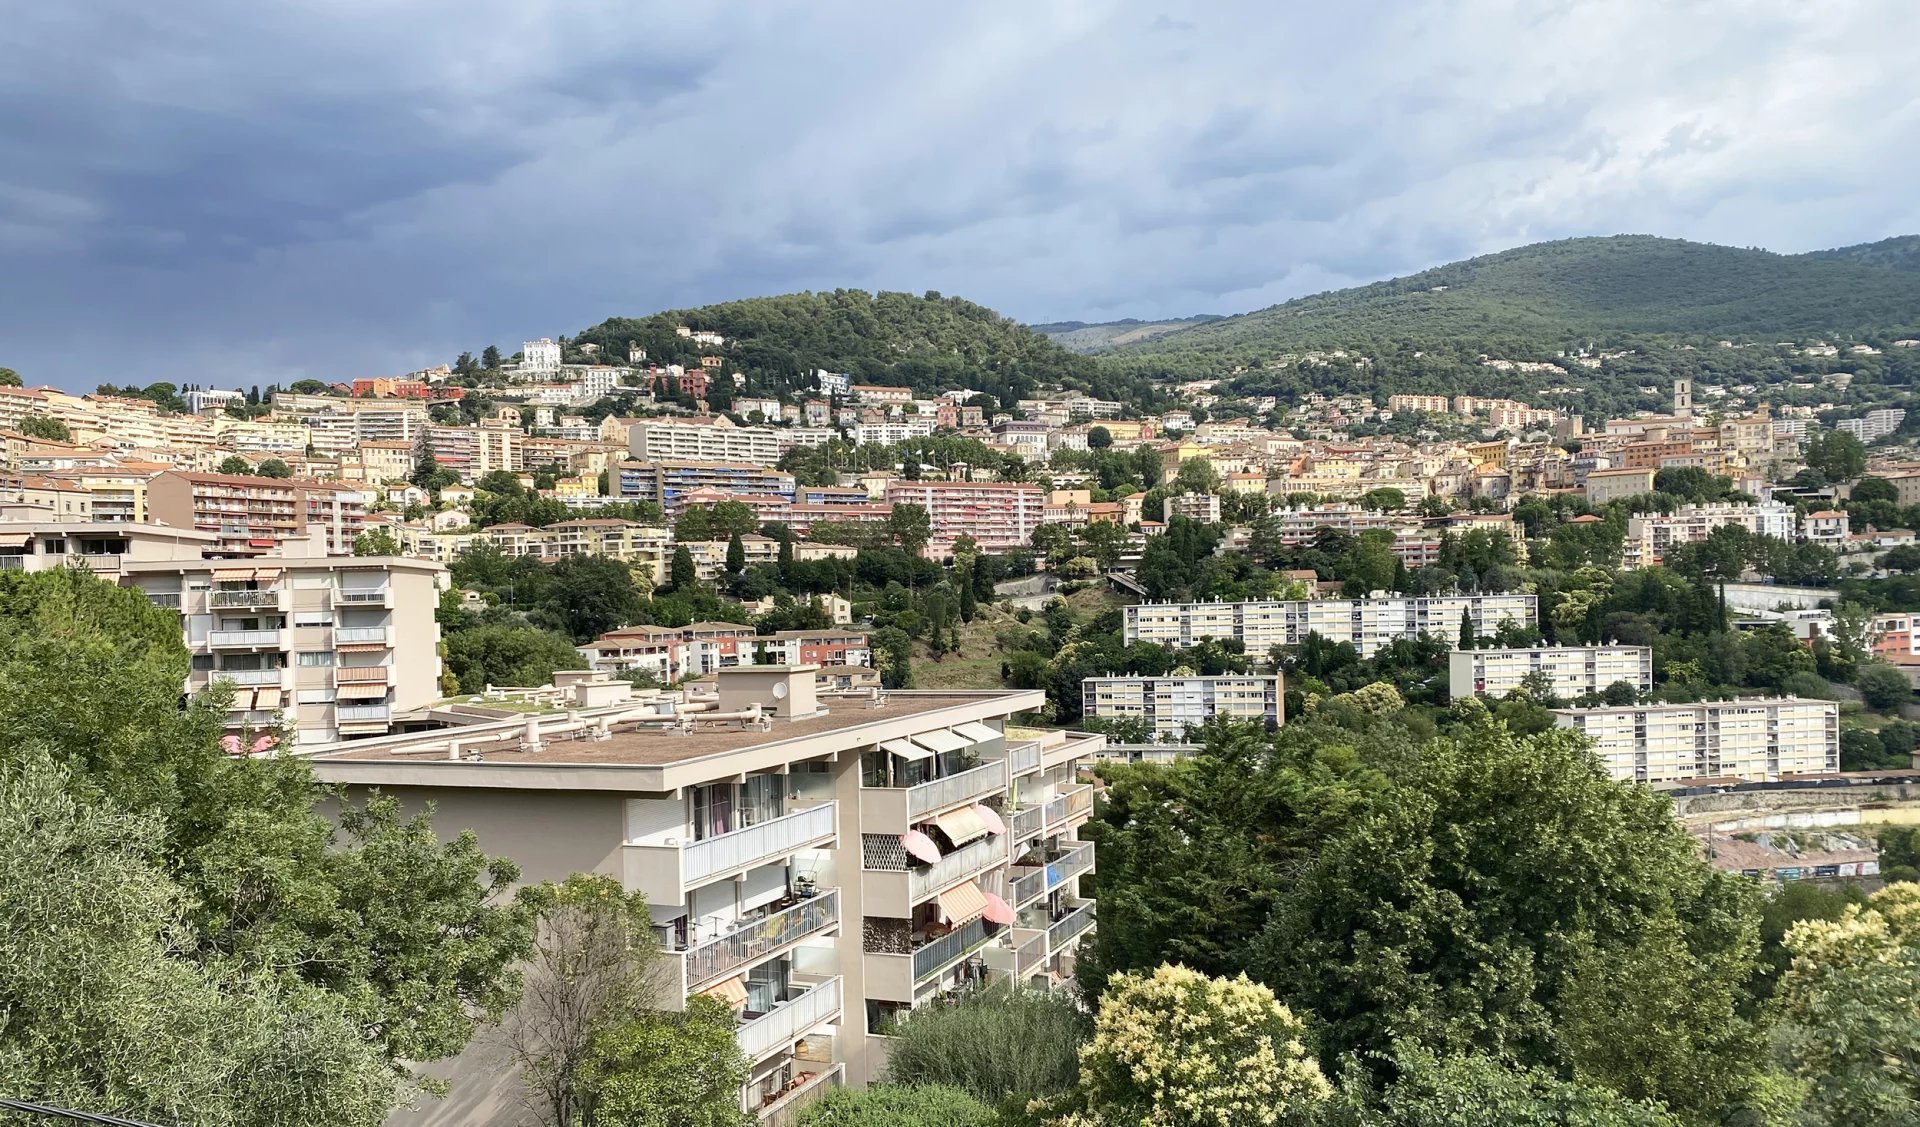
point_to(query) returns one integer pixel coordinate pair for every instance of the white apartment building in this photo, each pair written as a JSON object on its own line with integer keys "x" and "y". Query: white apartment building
{"x": 1203, "y": 507}
{"x": 1369, "y": 624}
{"x": 208, "y": 400}
{"x": 822, "y": 863}
{"x": 1875, "y": 424}
{"x": 541, "y": 355}
{"x": 1574, "y": 670}
{"x": 890, "y": 434}
{"x": 1651, "y": 535}
{"x": 1755, "y": 739}
{"x": 1170, "y": 705}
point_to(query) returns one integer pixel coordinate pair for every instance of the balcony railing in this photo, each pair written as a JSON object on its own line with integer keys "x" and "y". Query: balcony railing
{"x": 361, "y": 595}
{"x": 1068, "y": 926}
{"x": 250, "y": 676}
{"x": 248, "y": 597}
{"x": 1030, "y": 954}
{"x": 1071, "y": 804}
{"x": 955, "y": 866}
{"x": 1026, "y": 887}
{"x": 780, "y": 1027}
{"x": 243, "y": 638}
{"x": 988, "y": 778}
{"x": 949, "y": 949}
{"x": 1069, "y": 865}
{"x": 361, "y": 713}
{"x": 165, "y": 600}
{"x": 350, "y": 634}
{"x": 97, "y": 561}
{"x": 744, "y": 848}
{"x": 1022, "y": 758}
{"x": 13, "y": 562}
{"x": 759, "y": 938}
{"x": 785, "y": 1111}
{"x": 1026, "y": 822}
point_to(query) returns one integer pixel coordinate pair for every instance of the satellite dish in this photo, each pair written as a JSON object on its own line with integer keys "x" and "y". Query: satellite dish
{"x": 779, "y": 690}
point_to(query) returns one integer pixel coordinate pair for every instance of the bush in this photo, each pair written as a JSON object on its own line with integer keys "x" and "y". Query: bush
{"x": 897, "y": 1105}
{"x": 992, "y": 1044}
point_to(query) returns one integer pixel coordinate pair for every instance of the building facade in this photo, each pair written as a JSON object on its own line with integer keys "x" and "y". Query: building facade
{"x": 1170, "y": 705}
{"x": 1368, "y": 624}
{"x": 1755, "y": 739}
{"x": 1574, "y": 671}
{"x": 996, "y": 514}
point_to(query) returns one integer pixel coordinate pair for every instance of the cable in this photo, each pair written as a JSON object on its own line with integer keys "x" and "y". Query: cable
{"x": 68, "y": 1113}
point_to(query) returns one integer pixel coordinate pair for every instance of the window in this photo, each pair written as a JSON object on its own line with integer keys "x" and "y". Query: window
{"x": 315, "y": 696}
{"x": 314, "y": 657}
{"x": 762, "y": 799}
{"x": 202, "y": 662}
{"x": 313, "y": 618}
{"x": 873, "y": 768}
{"x": 54, "y": 546}
{"x": 712, "y": 810}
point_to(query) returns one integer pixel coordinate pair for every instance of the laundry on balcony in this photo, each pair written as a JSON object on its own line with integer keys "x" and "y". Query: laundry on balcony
{"x": 962, "y": 903}
{"x": 961, "y": 825}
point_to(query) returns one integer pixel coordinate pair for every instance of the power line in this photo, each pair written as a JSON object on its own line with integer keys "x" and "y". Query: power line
{"x": 70, "y": 1114}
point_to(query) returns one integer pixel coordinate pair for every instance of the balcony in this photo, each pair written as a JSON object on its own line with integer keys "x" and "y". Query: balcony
{"x": 1023, "y": 758}
{"x": 1068, "y": 806}
{"x": 667, "y": 872}
{"x": 360, "y": 635}
{"x": 785, "y": 1110}
{"x": 242, "y": 598}
{"x": 98, "y": 561}
{"x": 894, "y": 892}
{"x": 363, "y": 597}
{"x": 1069, "y": 927}
{"x": 897, "y": 975}
{"x": 893, "y": 810}
{"x": 777, "y": 1029}
{"x": 247, "y": 639}
{"x": 1026, "y": 822}
{"x": 362, "y": 714}
{"x": 932, "y": 958}
{"x": 1029, "y": 952}
{"x": 13, "y": 562}
{"x": 1077, "y": 745}
{"x": 757, "y": 939}
{"x": 251, "y": 677}
{"x": 1031, "y": 882}
{"x": 165, "y": 600}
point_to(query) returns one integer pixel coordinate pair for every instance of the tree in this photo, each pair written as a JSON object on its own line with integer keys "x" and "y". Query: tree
{"x": 1179, "y": 1049}
{"x": 736, "y": 555}
{"x": 47, "y": 427}
{"x": 1834, "y": 455}
{"x": 426, "y": 468}
{"x": 910, "y": 527}
{"x": 996, "y": 1045}
{"x": 665, "y": 1069}
{"x": 1386, "y": 499}
{"x": 9, "y": 378}
{"x": 108, "y": 1010}
{"x": 1848, "y": 1026}
{"x": 681, "y": 574}
{"x": 593, "y": 968}
{"x": 1873, "y": 489}
{"x": 1469, "y": 638}
{"x": 892, "y": 652}
{"x": 1099, "y": 438}
{"x": 504, "y": 482}
{"x": 490, "y": 358}
{"x": 1481, "y": 1091}
{"x": 1882, "y": 686}
{"x": 897, "y": 1105}
{"x": 235, "y": 464}
{"x": 509, "y": 655}
{"x": 273, "y": 467}
{"x": 376, "y": 542}
{"x": 592, "y": 595}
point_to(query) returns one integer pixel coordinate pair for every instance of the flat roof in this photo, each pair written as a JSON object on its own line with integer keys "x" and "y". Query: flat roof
{"x": 652, "y": 760}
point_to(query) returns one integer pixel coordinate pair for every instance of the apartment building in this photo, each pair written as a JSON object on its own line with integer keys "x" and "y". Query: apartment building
{"x": 1651, "y": 535}
{"x": 1202, "y": 507}
{"x": 1874, "y": 425}
{"x": 250, "y": 515}
{"x": 1575, "y": 671}
{"x": 1614, "y": 484}
{"x": 1828, "y": 527}
{"x": 670, "y": 482}
{"x": 1369, "y": 624}
{"x": 996, "y": 514}
{"x": 1754, "y": 739}
{"x": 1170, "y": 705}
{"x": 823, "y": 864}
{"x": 716, "y": 439}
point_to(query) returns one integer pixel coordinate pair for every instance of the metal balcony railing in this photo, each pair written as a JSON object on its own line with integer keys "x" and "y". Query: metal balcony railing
{"x": 243, "y": 638}
{"x": 1026, "y": 822}
{"x": 1069, "y": 865}
{"x": 1068, "y": 926}
{"x": 361, "y": 595}
{"x": 165, "y": 600}
{"x": 963, "y": 862}
{"x": 988, "y": 778}
{"x": 362, "y": 713}
{"x": 714, "y": 958}
{"x": 782, "y": 1025}
{"x": 743, "y": 848}
{"x": 350, "y": 634}
{"x": 248, "y": 597}
{"x": 1022, "y": 758}
{"x": 250, "y": 676}
{"x": 949, "y": 949}
{"x": 1030, "y": 955}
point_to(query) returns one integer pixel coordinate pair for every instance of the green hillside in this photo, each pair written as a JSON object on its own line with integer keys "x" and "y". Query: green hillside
{"x": 930, "y": 343}
{"x": 1084, "y": 336}
{"x": 1902, "y": 252}
{"x": 1563, "y": 291}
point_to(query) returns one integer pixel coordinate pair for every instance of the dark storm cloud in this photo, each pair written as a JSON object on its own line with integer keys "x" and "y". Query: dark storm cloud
{"x": 236, "y": 192}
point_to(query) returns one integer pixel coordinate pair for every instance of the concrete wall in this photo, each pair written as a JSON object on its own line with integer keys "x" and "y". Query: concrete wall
{"x": 550, "y": 834}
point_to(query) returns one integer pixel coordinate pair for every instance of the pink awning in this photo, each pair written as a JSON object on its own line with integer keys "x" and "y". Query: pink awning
{"x": 998, "y": 911}
{"x": 920, "y": 846}
{"x": 992, "y": 819}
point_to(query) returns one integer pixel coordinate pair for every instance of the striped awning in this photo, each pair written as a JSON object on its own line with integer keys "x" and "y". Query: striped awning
{"x": 962, "y": 903}
{"x": 732, "y": 991}
{"x": 266, "y": 574}
{"x": 266, "y": 698}
{"x": 906, "y": 749}
{"x": 962, "y": 825}
{"x": 232, "y": 574}
{"x": 362, "y": 648}
{"x": 361, "y": 690}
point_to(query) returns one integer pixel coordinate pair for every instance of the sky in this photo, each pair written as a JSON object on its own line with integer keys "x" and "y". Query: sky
{"x": 231, "y": 192}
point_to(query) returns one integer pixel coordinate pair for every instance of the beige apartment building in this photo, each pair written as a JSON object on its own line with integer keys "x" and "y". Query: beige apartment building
{"x": 1755, "y": 739}
{"x": 249, "y": 514}
{"x": 1170, "y": 705}
{"x": 1369, "y": 624}
{"x": 822, "y": 863}
{"x": 1575, "y": 671}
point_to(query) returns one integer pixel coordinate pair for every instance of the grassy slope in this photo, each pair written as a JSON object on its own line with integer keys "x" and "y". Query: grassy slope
{"x": 977, "y": 665}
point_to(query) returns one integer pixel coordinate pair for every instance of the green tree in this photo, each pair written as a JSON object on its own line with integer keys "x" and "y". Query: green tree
{"x": 1099, "y": 438}
{"x": 504, "y": 482}
{"x": 897, "y": 1105}
{"x": 47, "y": 427}
{"x": 1835, "y": 455}
{"x": 1469, "y": 638}
{"x": 1384, "y": 500}
{"x": 593, "y": 967}
{"x": 910, "y": 527}
{"x": 509, "y": 655}
{"x": 9, "y": 378}
{"x": 1882, "y": 686}
{"x": 736, "y": 555}
{"x": 681, "y": 574}
{"x": 591, "y": 595}
{"x": 273, "y": 467}
{"x": 1848, "y": 1026}
{"x": 108, "y": 1010}
{"x": 1481, "y": 1091}
{"x": 377, "y": 541}
{"x": 996, "y": 1045}
{"x": 490, "y": 358}
{"x": 1871, "y": 488}
{"x": 1179, "y": 1049}
{"x": 235, "y": 464}
{"x": 665, "y": 1069}
{"x": 893, "y": 655}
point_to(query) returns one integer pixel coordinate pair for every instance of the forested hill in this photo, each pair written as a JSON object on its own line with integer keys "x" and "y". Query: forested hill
{"x": 1902, "y": 252}
{"x": 1084, "y": 336}
{"x": 1558, "y": 292}
{"x": 930, "y": 343}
